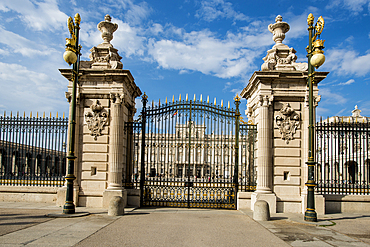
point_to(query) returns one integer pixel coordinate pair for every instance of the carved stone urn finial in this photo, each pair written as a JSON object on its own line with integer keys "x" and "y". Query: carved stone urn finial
{"x": 278, "y": 29}
{"x": 107, "y": 28}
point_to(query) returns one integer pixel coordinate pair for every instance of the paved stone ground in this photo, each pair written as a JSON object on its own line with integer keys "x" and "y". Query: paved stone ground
{"x": 353, "y": 225}
{"x": 330, "y": 230}
{"x": 24, "y": 224}
{"x": 183, "y": 227}
{"x": 12, "y": 220}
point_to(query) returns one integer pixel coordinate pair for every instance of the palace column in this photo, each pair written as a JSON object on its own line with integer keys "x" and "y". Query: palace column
{"x": 264, "y": 165}
{"x": 116, "y": 147}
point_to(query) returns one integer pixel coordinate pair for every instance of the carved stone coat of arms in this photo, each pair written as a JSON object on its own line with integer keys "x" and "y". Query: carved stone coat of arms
{"x": 288, "y": 121}
{"x": 96, "y": 119}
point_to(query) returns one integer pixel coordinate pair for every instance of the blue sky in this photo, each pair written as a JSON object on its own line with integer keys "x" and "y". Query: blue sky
{"x": 208, "y": 47}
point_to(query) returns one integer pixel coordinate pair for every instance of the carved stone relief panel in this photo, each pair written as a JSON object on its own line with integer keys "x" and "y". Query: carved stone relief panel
{"x": 96, "y": 119}
{"x": 288, "y": 121}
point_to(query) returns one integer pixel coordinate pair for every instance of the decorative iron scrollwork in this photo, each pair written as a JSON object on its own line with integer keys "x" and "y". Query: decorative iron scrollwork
{"x": 96, "y": 119}
{"x": 288, "y": 122}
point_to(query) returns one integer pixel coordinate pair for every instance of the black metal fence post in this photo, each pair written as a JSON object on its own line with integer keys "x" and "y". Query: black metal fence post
{"x": 236, "y": 168}
{"x": 142, "y": 168}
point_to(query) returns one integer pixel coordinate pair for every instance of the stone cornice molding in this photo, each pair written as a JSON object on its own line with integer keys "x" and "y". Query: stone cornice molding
{"x": 270, "y": 77}
{"x": 119, "y": 76}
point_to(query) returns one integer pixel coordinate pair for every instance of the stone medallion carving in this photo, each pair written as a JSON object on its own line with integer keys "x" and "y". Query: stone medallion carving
{"x": 288, "y": 122}
{"x": 96, "y": 119}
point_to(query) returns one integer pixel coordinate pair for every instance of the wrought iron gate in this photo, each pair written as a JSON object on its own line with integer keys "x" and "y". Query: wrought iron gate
{"x": 186, "y": 154}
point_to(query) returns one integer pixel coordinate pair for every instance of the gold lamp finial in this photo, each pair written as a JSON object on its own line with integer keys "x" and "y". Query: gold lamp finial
{"x": 237, "y": 98}
{"x": 310, "y": 19}
{"x": 77, "y": 19}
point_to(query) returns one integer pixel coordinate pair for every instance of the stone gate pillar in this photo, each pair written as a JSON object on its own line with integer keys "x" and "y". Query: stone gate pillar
{"x": 106, "y": 100}
{"x": 277, "y": 98}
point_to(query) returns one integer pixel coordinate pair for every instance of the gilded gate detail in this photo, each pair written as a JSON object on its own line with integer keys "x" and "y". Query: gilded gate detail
{"x": 190, "y": 153}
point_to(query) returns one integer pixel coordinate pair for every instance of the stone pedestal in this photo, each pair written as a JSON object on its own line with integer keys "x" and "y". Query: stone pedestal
{"x": 106, "y": 100}
{"x": 109, "y": 194}
{"x": 277, "y": 99}
{"x": 270, "y": 198}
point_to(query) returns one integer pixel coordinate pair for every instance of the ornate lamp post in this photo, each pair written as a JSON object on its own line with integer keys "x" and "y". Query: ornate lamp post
{"x": 72, "y": 56}
{"x": 316, "y": 58}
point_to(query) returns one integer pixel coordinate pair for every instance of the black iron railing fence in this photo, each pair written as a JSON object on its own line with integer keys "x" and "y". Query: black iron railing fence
{"x": 33, "y": 150}
{"x": 343, "y": 162}
{"x": 190, "y": 154}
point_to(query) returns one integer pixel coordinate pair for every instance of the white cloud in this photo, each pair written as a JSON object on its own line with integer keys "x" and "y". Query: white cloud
{"x": 214, "y": 9}
{"x": 330, "y": 97}
{"x": 203, "y": 51}
{"x": 37, "y": 91}
{"x": 345, "y": 61}
{"x": 349, "y": 82}
{"x": 196, "y": 52}
{"x": 137, "y": 12}
{"x": 19, "y": 44}
{"x": 39, "y": 15}
{"x": 355, "y": 6}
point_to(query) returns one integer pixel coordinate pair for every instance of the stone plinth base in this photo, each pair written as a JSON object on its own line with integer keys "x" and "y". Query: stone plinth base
{"x": 319, "y": 204}
{"x": 61, "y": 195}
{"x": 347, "y": 204}
{"x": 109, "y": 194}
{"x": 270, "y": 198}
{"x": 133, "y": 197}
{"x": 244, "y": 200}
